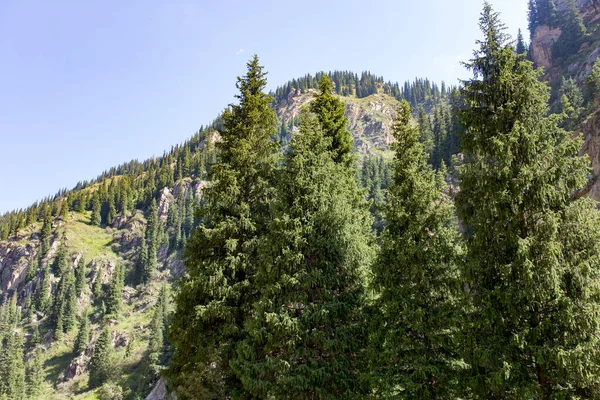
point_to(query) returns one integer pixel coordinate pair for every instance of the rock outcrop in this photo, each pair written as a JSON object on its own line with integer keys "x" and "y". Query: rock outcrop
{"x": 370, "y": 118}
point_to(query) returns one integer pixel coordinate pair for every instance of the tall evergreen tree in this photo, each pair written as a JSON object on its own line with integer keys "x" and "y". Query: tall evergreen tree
{"x": 215, "y": 299}
{"x": 101, "y": 362}
{"x": 153, "y": 231}
{"x": 80, "y": 276}
{"x": 330, "y": 111}
{"x": 95, "y": 218}
{"x": 413, "y": 353}
{"x": 306, "y": 337}
{"x": 114, "y": 298}
{"x": 35, "y": 376}
{"x": 45, "y": 234}
{"x": 521, "y": 47}
{"x": 83, "y": 334}
{"x": 533, "y": 254}
{"x": 142, "y": 259}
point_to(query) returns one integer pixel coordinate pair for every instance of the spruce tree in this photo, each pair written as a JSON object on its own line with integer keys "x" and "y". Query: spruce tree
{"x": 142, "y": 259}
{"x": 95, "y": 218}
{"x": 330, "y": 111}
{"x": 532, "y": 252}
{"x": 100, "y": 364}
{"x": 572, "y": 31}
{"x": 521, "y": 47}
{"x": 13, "y": 371}
{"x": 307, "y": 334}
{"x": 45, "y": 234}
{"x": 83, "y": 335}
{"x": 153, "y": 230}
{"x": 80, "y": 276}
{"x": 415, "y": 276}
{"x": 61, "y": 261}
{"x": 215, "y": 298}
{"x": 426, "y": 136}
{"x": 97, "y": 288}
{"x": 114, "y": 298}
{"x": 35, "y": 376}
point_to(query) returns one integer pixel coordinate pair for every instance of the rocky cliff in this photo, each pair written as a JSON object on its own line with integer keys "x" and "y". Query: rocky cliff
{"x": 578, "y": 67}
{"x": 369, "y": 119}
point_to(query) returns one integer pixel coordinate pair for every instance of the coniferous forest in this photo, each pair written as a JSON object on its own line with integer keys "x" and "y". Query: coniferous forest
{"x": 268, "y": 257}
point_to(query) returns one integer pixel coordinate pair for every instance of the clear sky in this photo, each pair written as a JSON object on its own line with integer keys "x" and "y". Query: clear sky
{"x": 87, "y": 85}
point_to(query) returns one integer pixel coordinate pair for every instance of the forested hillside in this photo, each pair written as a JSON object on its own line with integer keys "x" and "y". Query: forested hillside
{"x": 341, "y": 237}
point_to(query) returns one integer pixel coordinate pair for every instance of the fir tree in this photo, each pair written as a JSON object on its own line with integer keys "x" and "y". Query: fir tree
{"x": 100, "y": 364}
{"x": 306, "y": 336}
{"x": 572, "y": 31}
{"x": 426, "y": 136}
{"x": 330, "y": 112}
{"x": 142, "y": 259}
{"x": 45, "y": 234}
{"x": 546, "y": 12}
{"x": 83, "y": 335}
{"x": 95, "y": 218}
{"x": 215, "y": 298}
{"x": 35, "y": 376}
{"x": 152, "y": 238}
{"x": 97, "y": 289}
{"x": 12, "y": 368}
{"x": 413, "y": 354}
{"x": 114, "y": 298}
{"x": 61, "y": 261}
{"x": 521, "y": 47}
{"x": 80, "y": 276}
{"x": 532, "y": 253}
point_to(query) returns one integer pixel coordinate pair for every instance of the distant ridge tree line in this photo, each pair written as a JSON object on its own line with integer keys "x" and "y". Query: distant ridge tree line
{"x": 420, "y": 92}
{"x": 121, "y": 189}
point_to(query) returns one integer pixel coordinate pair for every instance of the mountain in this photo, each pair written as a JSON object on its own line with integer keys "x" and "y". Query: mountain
{"x": 121, "y": 235}
{"x": 100, "y": 230}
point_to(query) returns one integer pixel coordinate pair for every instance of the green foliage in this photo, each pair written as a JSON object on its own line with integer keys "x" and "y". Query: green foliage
{"x": 592, "y": 83}
{"x": 110, "y": 391}
{"x": 97, "y": 288}
{"x": 142, "y": 259}
{"x": 114, "y": 297}
{"x": 95, "y": 218}
{"x": 153, "y": 231}
{"x": 157, "y": 344}
{"x": 83, "y": 334}
{"x": 532, "y": 253}
{"x": 375, "y": 176}
{"x": 215, "y": 299}
{"x": 100, "y": 364}
{"x": 572, "y": 31}
{"x": 306, "y": 336}
{"x": 413, "y": 350}
{"x": 35, "y": 376}
{"x": 520, "y": 47}
{"x": 64, "y": 304}
{"x": 45, "y": 234}
{"x": 12, "y": 368}
{"x": 61, "y": 261}
{"x": 80, "y": 277}
{"x": 330, "y": 110}
{"x": 571, "y": 104}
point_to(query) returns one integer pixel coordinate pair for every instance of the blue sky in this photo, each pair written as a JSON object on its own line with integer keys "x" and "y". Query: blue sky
{"x": 86, "y": 85}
